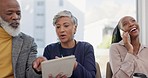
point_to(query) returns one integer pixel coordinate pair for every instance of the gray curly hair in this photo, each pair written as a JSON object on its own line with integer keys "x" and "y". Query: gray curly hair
{"x": 65, "y": 13}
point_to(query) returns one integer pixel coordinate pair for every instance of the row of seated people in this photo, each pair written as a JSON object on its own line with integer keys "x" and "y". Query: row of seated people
{"x": 127, "y": 55}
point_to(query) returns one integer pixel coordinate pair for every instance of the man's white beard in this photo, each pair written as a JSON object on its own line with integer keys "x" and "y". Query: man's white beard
{"x": 9, "y": 29}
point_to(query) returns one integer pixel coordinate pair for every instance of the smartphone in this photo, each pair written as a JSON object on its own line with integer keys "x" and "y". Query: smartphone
{"x": 121, "y": 34}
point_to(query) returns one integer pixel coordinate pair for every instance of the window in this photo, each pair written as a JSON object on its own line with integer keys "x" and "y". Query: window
{"x": 101, "y": 18}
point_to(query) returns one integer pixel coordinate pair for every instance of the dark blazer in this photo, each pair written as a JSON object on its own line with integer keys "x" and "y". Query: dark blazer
{"x": 24, "y": 51}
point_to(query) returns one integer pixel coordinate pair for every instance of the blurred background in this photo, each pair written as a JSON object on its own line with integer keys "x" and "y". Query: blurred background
{"x": 96, "y": 21}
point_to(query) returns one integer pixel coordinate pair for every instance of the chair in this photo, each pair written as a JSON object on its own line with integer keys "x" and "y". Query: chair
{"x": 98, "y": 73}
{"x": 108, "y": 71}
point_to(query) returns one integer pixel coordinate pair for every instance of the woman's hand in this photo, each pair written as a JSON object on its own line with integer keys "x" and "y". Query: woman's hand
{"x": 75, "y": 65}
{"x": 60, "y": 75}
{"x": 127, "y": 42}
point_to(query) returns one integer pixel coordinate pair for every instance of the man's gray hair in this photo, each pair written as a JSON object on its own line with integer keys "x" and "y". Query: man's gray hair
{"x": 65, "y": 13}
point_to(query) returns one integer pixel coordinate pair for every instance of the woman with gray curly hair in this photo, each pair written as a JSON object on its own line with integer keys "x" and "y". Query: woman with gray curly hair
{"x": 66, "y": 25}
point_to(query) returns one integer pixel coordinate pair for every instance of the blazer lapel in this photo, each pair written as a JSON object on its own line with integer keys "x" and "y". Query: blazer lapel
{"x": 16, "y": 49}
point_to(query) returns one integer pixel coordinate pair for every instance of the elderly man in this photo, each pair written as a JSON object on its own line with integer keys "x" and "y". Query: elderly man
{"x": 17, "y": 50}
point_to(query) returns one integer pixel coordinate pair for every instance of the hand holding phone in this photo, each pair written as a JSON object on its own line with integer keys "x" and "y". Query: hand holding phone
{"x": 127, "y": 41}
{"x": 125, "y": 35}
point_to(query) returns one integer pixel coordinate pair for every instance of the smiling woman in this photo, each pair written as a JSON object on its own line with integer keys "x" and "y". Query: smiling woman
{"x": 124, "y": 54}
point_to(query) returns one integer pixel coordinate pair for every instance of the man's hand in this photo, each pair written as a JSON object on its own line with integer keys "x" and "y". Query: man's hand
{"x": 37, "y": 63}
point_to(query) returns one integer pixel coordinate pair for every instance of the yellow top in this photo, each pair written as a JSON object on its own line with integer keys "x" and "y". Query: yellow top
{"x": 6, "y": 70}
